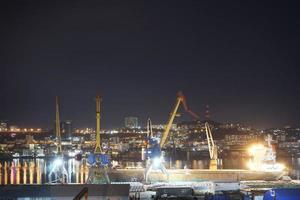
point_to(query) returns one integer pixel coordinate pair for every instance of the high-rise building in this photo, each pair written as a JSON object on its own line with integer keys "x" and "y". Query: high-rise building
{"x": 131, "y": 122}
{"x": 3, "y": 125}
{"x": 29, "y": 139}
{"x": 66, "y": 129}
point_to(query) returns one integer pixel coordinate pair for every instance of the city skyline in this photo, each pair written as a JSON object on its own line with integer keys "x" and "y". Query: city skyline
{"x": 240, "y": 59}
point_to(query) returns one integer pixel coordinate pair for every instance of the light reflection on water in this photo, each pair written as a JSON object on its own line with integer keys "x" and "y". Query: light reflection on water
{"x": 36, "y": 171}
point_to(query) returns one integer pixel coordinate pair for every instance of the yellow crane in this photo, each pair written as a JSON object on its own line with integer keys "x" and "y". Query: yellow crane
{"x": 213, "y": 152}
{"x": 98, "y": 161}
{"x": 58, "y": 167}
{"x": 156, "y": 159}
{"x": 98, "y": 142}
{"x": 57, "y": 128}
{"x": 180, "y": 99}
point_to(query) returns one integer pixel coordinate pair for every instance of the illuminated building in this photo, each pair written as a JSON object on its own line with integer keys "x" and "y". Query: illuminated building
{"x": 3, "y": 126}
{"x": 131, "y": 122}
{"x": 29, "y": 139}
{"x": 243, "y": 139}
{"x": 66, "y": 129}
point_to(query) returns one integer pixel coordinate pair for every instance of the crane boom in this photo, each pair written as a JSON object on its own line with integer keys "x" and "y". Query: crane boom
{"x": 186, "y": 108}
{"x": 180, "y": 98}
{"x": 212, "y": 148}
{"x": 57, "y": 128}
{"x": 170, "y": 121}
{"x": 210, "y": 141}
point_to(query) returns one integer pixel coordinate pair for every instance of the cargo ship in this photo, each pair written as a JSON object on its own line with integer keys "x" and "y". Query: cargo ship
{"x": 229, "y": 175}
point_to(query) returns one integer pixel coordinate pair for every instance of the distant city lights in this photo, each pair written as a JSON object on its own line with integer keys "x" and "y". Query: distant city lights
{"x": 21, "y": 130}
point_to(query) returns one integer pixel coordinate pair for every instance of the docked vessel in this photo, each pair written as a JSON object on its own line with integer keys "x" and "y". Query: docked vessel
{"x": 195, "y": 175}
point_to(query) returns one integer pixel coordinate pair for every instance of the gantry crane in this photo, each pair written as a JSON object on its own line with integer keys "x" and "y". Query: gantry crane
{"x": 155, "y": 159}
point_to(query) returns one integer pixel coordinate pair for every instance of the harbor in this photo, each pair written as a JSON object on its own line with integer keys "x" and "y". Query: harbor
{"x": 203, "y": 182}
{"x": 153, "y": 175}
{"x": 149, "y": 100}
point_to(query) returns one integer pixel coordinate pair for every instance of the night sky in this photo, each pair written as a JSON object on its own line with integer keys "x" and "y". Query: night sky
{"x": 240, "y": 58}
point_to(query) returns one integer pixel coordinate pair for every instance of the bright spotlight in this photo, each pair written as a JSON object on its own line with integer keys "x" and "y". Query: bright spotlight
{"x": 58, "y": 162}
{"x": 263, "y": 159}
{"x": 256, "y": 149}
{"x": 156, "y": 162}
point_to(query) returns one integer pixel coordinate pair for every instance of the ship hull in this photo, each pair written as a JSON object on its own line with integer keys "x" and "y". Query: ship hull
{"x": 193, "y": 175}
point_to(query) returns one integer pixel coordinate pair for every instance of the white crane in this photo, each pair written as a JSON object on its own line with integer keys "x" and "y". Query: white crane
{"x": 212, "y": 148}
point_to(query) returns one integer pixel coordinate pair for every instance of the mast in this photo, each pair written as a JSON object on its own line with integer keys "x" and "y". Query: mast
{"x": 57, "y": 128}
{"x": 98, "y": 145}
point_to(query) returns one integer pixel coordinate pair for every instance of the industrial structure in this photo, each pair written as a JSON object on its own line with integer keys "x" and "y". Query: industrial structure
{"x": 131, "y": 122}
{"x": 154, "y": 153}
{"x": 95, "y": 177}
{"x": 212, "y": 148}
{"x": 180, "y": 99}
{"x": 57, "y": 128}
{"x": 58, "y": 167}
{"x": 98, "y": 161}
{"x": 155, "y": 156}
{"x": 98, "y": 142}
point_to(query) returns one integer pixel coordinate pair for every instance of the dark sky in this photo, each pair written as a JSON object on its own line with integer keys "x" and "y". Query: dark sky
{"x": 240, "y": 58}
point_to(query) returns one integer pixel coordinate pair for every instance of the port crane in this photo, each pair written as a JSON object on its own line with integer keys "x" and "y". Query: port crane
{"x": 180, "y": 99}
{"x": 58, "y": 165}
{"x": 146, "y": 154}
{"x": 212, "y": 148}
{"x": 98, "y": 161}
{"x": 155, "y": 159}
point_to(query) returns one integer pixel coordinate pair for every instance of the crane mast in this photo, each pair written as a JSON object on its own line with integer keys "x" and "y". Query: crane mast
{"x": 98, "y": 142}
{"x": 58, "y": 167}
{"x": 57, "y": 128}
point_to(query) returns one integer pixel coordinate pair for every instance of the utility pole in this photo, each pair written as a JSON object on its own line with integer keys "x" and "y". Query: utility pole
{"x": 57, "y": 127}
{"x": 207, "y": 113}
{"x": 98, "y": 145}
